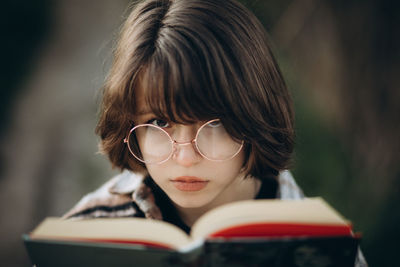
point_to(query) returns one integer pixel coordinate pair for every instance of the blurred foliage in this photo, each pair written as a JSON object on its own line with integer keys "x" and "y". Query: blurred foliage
{"x": 25, "y": 24}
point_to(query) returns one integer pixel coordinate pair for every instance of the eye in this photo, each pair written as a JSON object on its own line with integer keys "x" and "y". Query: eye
{"x": 215, "y": 124}
{"x": 159, "y": 123}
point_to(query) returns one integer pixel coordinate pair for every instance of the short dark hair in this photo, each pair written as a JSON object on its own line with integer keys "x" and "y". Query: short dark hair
{"x": 198, "y": 60}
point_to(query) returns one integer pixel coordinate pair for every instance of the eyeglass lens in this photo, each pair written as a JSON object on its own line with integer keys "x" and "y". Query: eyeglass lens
{"x": 155, "y": 144}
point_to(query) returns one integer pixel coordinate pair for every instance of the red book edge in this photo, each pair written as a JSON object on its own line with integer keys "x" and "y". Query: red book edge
{"x": 147, "y": 243}
{"x": 284, "y": 229}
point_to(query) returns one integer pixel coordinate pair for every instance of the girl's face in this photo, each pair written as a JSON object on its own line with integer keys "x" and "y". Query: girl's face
{"x": 189, "y": 179}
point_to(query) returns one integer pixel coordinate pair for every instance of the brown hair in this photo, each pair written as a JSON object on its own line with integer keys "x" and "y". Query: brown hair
{"x": 197, "y": 60}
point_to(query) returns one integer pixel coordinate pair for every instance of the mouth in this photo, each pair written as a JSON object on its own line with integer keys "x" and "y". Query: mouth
{"x": 189, "y": 183}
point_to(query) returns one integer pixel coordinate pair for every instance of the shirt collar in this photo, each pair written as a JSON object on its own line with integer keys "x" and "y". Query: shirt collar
{"x": 129, "y": 183}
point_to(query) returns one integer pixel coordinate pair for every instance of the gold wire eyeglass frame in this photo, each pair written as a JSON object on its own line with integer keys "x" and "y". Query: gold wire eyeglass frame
{"x": 175, "y": 143}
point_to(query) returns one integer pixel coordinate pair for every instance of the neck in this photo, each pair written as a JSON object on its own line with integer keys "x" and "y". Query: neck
{"x": 240, "y": 189}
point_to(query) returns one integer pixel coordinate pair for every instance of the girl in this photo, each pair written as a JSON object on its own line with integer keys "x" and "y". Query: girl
{"x": 196, "y": 113}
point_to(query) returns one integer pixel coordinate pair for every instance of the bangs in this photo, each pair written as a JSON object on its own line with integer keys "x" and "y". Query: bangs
{"x": 180, "y": 84}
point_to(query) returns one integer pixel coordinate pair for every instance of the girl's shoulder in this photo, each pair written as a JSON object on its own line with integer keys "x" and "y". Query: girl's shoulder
{"x": 124, "y": 195}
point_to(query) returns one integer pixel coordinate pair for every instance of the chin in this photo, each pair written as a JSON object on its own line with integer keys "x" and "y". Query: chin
{"x": 191, "y": 202}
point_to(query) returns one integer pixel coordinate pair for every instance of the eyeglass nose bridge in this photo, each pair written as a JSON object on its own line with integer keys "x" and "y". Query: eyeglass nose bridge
{"x": 184, "y": 143}
{"x": 176, "y": 144}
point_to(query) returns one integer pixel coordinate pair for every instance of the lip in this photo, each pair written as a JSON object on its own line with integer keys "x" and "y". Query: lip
{"x": 189, "y": 183}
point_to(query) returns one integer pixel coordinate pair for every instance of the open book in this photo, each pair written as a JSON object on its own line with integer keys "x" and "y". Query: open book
{"x": 271, "y": 228}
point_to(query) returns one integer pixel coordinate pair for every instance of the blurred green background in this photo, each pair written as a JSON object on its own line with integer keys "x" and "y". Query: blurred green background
{"x": 340, "y": 59}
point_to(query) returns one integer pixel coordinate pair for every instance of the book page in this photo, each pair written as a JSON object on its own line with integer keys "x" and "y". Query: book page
{"x": 118, "y": 229}
{"x": 307, "y": 211}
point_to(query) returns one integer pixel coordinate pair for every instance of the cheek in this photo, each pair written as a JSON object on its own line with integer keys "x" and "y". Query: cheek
{"x": 230, "y": 169}
{"x": 157, "y": 172}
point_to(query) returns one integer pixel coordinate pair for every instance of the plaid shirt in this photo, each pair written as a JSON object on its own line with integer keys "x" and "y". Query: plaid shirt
{"x": 126, "y": 195}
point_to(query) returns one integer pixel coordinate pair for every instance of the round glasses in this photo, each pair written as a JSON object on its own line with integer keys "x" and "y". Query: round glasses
{"x": 152, "y": 144}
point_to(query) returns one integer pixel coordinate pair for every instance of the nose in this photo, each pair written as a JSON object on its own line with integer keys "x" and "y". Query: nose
{"x": 185, "y": 152}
